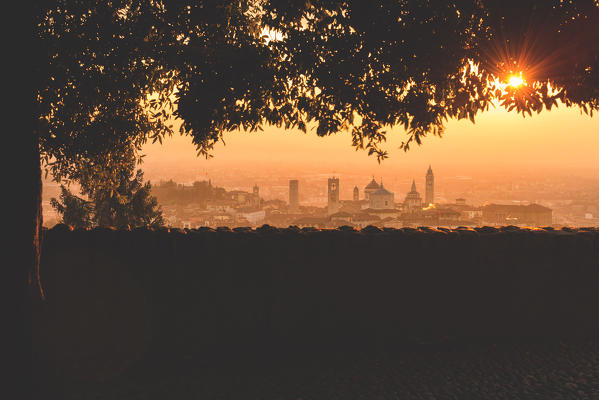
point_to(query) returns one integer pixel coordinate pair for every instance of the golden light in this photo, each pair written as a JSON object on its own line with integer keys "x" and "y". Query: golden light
{"x": 515, "y": 81}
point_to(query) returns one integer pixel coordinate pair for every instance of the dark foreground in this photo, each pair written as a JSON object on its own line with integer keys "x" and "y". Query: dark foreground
{"x": 275, "y": 302}
{"x": 551, "y": 370}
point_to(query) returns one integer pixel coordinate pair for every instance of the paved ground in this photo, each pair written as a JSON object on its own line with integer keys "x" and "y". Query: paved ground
{"x": 558, "y": 370}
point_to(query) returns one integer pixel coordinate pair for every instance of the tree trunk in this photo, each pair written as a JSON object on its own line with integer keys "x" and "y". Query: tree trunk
{"x": 31, "y": 289}
{"x": 34, "y": 286}
{"x": 25, "y": 274}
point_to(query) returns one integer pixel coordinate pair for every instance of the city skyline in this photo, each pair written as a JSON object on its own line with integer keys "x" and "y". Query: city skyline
{"x": 308, "y": 199}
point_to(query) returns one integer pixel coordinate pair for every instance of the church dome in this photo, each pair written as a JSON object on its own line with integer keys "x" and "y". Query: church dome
{"x": 380, "y": 190}
{"x": 372, "y": 185}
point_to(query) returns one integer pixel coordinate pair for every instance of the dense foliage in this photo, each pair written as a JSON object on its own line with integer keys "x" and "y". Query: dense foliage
{"x": 112, "y": 73}
{"x": 365, "y": 67}
{"x": 117, "y": 197}
{"x": 94, "y": 71}
{"x": 74, "y": 210}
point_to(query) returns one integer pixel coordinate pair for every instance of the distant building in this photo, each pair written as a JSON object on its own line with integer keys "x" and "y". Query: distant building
{"x": 429, "y": 196}
{"x": 222, "y": 219}
{"x": 371, "y": 187}
{"x": 294, "y": 196}
{"x": 363, "y": 220}
{"x": 383, "y": 213}
{"x": 253, "y": 216}
{"x": 256, "y": 196}
{"x": 240, "y": 196}
{"x": 471, "y": 214}
{"x": 221, "y": 205}
{"x": 381, "y": 198}
{"x": 280, "y": 219}
{"x": 356, "y": 193}
{"x": 311, "y": 222}
{"x": 391, "y": 222}
{"x": 448, "y": 217}
{"x": 434, "y": 216}
{"x": 413, "y": 201}
{"x": 333, "y": 204}
{"x": 530, "y": 215}
{"x": 340, "y": 218}
{"x": 353, "y": 206}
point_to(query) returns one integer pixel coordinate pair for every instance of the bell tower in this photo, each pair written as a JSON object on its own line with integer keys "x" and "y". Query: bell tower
{"x": 293, "y": 196}
{"x": 429, "y": 196}
{"x": 333, "y": 199}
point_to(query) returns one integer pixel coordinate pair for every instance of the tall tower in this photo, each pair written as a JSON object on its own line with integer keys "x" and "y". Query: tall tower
{"x": 429, "y": 196}
{"x": 356, "y": 193}
{"x": 413, "y": 201}
{"x": 333, "y": 199}
{"x": 256, "y": 195}
{"x": 293, "y": 196}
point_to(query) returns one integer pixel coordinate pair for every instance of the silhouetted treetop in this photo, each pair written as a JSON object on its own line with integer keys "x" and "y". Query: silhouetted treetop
{"x": 327, "y": 65}
{"x": 116, "y": 197}
{"x": 96, "y": 66}
{"x": 365, "y": 66}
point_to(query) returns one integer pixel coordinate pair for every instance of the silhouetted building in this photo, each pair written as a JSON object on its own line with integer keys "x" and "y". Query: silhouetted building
{"x": 381, "y": 198}
{"x": 371, "y": 187}
{"x": 413, "y": 201}
{"x": 243, "y": 198}
{"x": 333, "y": 196}
{"x": 531, "y": 215}
{"x": 356, "y": 193}
{"x": 311, "y": 222}
{"x": 353, "y": 206}
{"x": 448, "y": 216}
{"x": 341, "y": 218}
{"x": 429, "y": 195}
{"x": 363, "y": 220}
{"x": 293, "y": 196}
{"x": 383, "y": 212}
{"x": 256, "y": 193}
{"x": 469, "y": 215}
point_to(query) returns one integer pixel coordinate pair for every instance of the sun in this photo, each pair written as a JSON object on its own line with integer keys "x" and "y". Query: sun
{"x": 515, "y": 81}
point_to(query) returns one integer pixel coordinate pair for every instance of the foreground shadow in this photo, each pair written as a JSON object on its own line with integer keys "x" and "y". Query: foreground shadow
{"x": 289, "y": 313}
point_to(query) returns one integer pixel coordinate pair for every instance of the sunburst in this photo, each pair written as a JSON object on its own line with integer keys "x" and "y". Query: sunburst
{"x": 516, "y": 81}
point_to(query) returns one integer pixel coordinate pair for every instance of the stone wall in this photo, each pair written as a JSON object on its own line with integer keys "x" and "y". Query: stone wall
{"x": 113, "y": 297}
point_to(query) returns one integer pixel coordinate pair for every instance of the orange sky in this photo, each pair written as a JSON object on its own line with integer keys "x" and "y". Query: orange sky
{"x": 561, "y": 139}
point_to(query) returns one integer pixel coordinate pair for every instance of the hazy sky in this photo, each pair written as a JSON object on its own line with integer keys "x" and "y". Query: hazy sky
{"x": 561, "y": 139}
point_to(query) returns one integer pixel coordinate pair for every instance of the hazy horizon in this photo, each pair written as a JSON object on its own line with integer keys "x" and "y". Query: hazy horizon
{"x": 550, "y": 159}
{"x": 553, "y": 142}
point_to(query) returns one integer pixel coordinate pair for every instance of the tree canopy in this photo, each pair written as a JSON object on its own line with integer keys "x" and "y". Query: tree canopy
{"x": 330, "y": 65}
{"x": 95, "y": 71}
{"x": 111, "y": 74}
{"x": 366, "y": 66}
